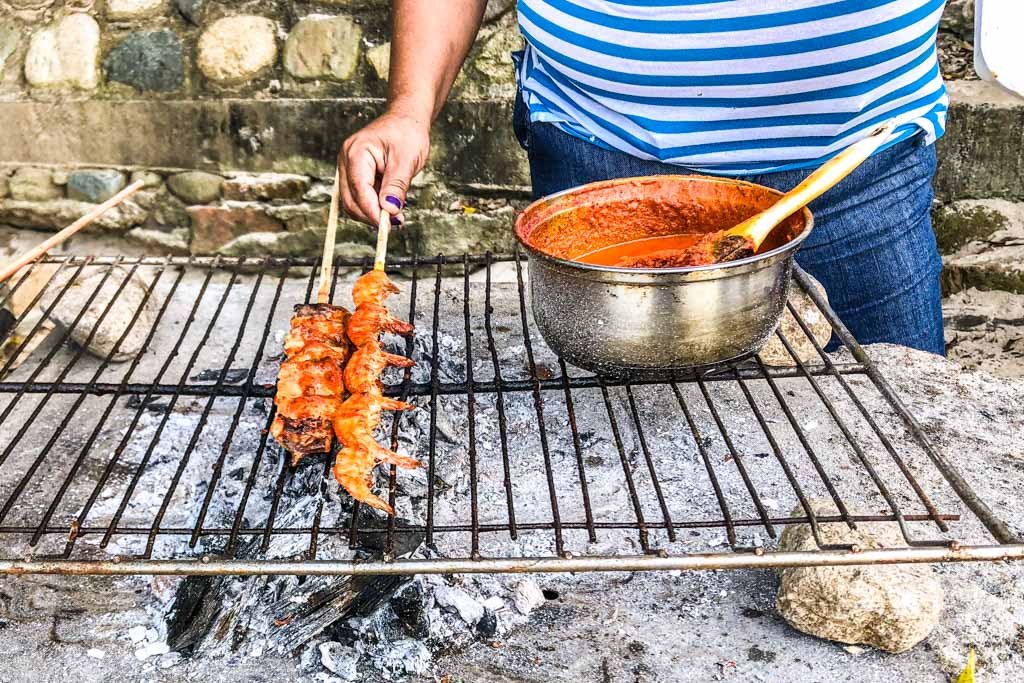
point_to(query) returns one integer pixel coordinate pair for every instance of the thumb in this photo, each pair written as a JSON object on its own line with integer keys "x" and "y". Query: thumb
{"x": 394, "y": 186}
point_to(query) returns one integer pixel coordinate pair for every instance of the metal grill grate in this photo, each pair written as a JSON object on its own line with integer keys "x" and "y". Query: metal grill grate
{"x": 163, "y": 464}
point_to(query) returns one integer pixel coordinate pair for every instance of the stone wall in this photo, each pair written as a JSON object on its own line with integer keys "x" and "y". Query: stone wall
{"x": 233, "y": 113}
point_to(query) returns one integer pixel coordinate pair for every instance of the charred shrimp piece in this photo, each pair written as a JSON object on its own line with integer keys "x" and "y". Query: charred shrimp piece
{"x": 354, "y": 424}
{"x": 353, "y": 469}
{"x": 362, "y": 373}
{"x": 360, "y": 415}
{"x": 305, "y": 425}
{"x": 310, "y": 383}
{"x": 317, "y": 324}
{"x": 373, "y": 288}
{"x": 370, "y": 319}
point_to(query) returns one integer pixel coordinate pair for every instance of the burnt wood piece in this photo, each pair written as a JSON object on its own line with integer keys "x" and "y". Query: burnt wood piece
{"x": 220, "y": 613}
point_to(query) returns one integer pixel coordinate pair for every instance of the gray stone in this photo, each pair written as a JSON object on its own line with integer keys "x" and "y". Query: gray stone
{"x": 775, "y": 353}
{"x": 132, "y": 9}
{"x": 379, "y": 58}
{"x": 59, "y": 213}
{"x": 166, "y": 212}
{"x": 889, "y": 607}
{"x": 237, "y": 49}
{"x": 340, "y": 659}
{"x": 958, "y": 17}
{"x": 9, "y": 38}
{"x": 323, "y": 47}
{"x": 985, "y": 331}
{"x": 473, "y": 142}
{"x": 191, "y": 10}
{"x": 459, "y": 602}
{"x": 215, "y": 226}
{"x": 33, "y": 184}
{"x": 975, "y": 159}
{"x": 268, "y": 186}
{"x": 195, "y": 187}
{"x": 434, "y": 232}
{"x": 299, "y": 217}
{"x": 27, "y": 11}
{"x": 959, "y": 223}
{"x": 103, "y": 342}
{"x": 4, "y": 175}
{"x": 993, "y": 258}
{"x": 497, "y": 8}
{"x": 149, "y": 61}
{"x": 149, "y": 179}
{"x": 284, "y": 244}
{"x": 96, "y": 186}
{"x": 527, "y": 597}
{"x": 65, "y": 54}
{"x": 159, "y": 242}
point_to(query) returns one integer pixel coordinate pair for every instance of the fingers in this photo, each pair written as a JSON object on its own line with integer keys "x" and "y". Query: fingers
{"x": 359, "y": 164}
{"x": 394, "y": 186}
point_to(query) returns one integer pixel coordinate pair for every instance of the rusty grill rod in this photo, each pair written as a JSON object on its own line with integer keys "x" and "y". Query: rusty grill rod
{"x": 639, "y": 474}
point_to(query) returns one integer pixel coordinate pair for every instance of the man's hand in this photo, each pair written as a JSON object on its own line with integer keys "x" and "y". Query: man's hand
{"x": 377, "y": 163}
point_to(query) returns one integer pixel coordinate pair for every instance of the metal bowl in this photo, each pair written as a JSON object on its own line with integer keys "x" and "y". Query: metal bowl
{"x": 635, "y": 320}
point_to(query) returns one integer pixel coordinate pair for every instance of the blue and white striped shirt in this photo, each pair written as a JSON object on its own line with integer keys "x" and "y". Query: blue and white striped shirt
{"x": 732, "y": 87}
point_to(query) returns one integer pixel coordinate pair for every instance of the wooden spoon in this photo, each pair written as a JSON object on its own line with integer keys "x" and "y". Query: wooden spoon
{"x": 746, "y": 238}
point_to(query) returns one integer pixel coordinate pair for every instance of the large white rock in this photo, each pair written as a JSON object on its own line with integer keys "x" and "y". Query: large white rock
{"x": 236, "y": 49}
{"x": 65, "y": 54}
{"x": 121, "y": 335}
{"x": 323, "y": 47}
{"x": 132, "y": 9}
{"x": 889, "y": 607}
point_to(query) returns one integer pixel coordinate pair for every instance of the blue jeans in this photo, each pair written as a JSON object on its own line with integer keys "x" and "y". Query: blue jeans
{"x": 872, "y": 246}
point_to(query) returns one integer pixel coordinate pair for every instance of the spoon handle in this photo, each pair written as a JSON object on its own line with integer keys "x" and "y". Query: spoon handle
{"x": 758, "y": 227}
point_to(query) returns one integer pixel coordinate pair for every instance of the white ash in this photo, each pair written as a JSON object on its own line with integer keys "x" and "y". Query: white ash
{"x": 487, "y": 607}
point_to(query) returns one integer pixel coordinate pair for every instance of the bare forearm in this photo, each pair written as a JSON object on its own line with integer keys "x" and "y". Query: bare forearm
{"x": 429, "y": 43}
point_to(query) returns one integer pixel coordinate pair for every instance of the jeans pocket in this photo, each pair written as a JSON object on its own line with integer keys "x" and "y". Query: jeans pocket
{"x": 520, "y": 112}
{"x": 521, "y": 121}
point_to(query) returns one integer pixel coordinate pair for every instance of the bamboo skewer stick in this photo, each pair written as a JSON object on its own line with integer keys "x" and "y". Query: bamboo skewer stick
{"x": 45, "y": 246}
{"x": 383, "y": 228}
{"x": 323, "y": 295}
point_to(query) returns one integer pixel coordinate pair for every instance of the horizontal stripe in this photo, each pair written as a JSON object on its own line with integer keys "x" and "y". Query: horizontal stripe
{"x": 739, "y": 51}
{"x": 726, "y": 72}
{"x": 733, "y": 87}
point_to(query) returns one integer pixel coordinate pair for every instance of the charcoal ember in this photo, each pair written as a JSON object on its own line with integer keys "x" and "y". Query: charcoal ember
{"x": 231, "y": 376}
{"x": 410, "y": 607}
{"x": 125, "y": 295}
{"x": 488, "y": 624}
{"x": 152, "y": 403}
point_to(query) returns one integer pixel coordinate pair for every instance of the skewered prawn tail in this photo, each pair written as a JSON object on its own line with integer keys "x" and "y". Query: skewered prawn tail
{"x": 373, "y": 287}
{"x": 369, "y": 319}
{"x": 310, "y": 384}
{"x": 366, "y": 365}
{"x": 354, "y": 424}
{"x": 352, "y": 469}
{"x": 360, "y": 414}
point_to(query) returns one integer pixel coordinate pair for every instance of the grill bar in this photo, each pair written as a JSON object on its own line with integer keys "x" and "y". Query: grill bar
{"x": 538, "y": 402}
{"x": 550, "y": 460}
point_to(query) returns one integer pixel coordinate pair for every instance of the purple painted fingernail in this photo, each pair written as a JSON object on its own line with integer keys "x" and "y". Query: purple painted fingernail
{"x": 395, "y": 222}
{"x": 395, "y": 201}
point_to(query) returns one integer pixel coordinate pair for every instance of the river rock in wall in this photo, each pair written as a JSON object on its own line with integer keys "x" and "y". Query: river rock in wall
{"x": 774, "y": 352}
{"x": 889, "y": 607}
{"x": 117, "y": 319}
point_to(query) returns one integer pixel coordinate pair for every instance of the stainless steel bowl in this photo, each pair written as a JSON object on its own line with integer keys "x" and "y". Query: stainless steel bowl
{"x": 628, "y": 320}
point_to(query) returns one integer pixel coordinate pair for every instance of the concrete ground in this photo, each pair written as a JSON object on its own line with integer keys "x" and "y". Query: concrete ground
{"x": 694, "y": 626}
